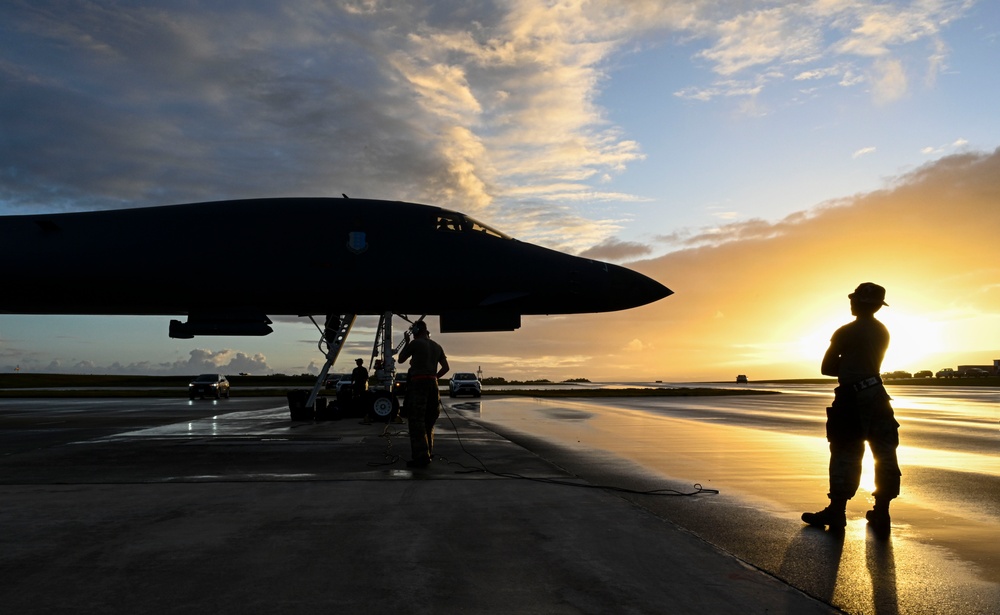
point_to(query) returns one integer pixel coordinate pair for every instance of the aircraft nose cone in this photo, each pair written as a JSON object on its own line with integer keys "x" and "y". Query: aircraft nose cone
{"x": 649, "y": 290}
{"x": 633, "y": 289}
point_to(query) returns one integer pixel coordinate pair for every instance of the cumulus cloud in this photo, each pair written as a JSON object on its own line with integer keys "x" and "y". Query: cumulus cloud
{"x": 199, "y": 361}
{"x": 227, "y": 361}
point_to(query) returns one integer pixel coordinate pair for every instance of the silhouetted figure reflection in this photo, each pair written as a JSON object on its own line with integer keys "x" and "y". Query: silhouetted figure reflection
{"x": 860, "y": 412}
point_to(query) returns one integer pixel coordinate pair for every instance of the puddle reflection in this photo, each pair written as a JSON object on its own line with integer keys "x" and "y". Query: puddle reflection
{"x": 942, "y": 529}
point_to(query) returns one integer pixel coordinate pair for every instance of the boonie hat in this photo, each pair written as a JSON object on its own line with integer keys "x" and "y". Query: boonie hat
{"x": 869, "y": 292}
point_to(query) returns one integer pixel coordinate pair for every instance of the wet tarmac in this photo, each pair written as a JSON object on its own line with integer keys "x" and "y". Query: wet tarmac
{"x": 768, "y": 457}
{"x": 124, "y": 505}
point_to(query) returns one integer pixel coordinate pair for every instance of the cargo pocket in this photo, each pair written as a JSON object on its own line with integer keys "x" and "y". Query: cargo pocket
{"x": 842, "y": 424}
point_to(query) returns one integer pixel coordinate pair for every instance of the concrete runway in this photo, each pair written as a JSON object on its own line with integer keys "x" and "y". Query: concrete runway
{"x": 168, "y": 506}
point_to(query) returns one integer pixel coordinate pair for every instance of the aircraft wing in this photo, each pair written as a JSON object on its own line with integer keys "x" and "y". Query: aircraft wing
{"x": 230, "y": 265}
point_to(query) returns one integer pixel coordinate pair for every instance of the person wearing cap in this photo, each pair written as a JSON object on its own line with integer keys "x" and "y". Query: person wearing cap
{"x": 860, "y": 412}
{"x": 359, "y": 384}
{"x": 422, "y": 395}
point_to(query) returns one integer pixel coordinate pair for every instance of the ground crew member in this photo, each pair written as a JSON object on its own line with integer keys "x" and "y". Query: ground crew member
{"x": 359, "y": 386}
{"x": 860, "y": 412}
{"x": 422, "y": 395}
{"x": 359, "y": 379}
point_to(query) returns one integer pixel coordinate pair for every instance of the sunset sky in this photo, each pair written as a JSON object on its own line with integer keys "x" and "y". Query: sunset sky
{"x": 759, "y": 158}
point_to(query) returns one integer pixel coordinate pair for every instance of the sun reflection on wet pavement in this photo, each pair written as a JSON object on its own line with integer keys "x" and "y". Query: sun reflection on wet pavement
{"x": 939, "y": 558}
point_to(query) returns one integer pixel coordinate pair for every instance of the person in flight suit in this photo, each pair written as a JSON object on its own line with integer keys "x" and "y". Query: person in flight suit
{"x": 860, "y": 412}
{"x": 422, "y": 395}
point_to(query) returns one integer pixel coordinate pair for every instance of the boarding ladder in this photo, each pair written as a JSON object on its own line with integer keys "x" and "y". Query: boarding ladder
{"x": 333, "y": 335}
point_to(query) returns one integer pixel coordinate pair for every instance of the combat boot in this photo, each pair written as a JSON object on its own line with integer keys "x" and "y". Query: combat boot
{"x": 834, "y": 515}
{"x": 878, "y": 518}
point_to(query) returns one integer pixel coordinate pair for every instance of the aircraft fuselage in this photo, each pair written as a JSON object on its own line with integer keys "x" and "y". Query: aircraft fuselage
{"x": 299, "y": 256}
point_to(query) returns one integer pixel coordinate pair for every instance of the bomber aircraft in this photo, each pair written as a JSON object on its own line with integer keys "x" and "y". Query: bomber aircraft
{"x": 338, "y": 258}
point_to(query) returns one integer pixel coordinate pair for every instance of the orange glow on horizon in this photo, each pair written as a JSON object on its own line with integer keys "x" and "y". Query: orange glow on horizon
{"x": 763, "y": 299}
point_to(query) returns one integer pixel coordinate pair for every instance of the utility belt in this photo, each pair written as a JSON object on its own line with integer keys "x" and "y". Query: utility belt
{"x": 867, "y": 383}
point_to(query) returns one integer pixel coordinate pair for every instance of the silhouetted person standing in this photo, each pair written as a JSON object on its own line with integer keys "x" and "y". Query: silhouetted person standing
{"x": 422, "y": 395}
{"x": 359, "y": 382}
{"x": 860, "y": 412}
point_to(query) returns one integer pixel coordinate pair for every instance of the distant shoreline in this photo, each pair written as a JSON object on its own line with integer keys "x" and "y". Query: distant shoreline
{"x": 91, "y": 386}
{"x": 990, "y": 381}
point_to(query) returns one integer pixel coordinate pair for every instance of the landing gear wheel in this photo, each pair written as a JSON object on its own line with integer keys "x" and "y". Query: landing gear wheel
{"x": 384, "y": 406}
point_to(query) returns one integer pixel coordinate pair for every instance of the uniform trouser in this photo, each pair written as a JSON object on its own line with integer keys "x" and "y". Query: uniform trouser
{"x": 850, "y": 424}
{"x": 422, "y": 401}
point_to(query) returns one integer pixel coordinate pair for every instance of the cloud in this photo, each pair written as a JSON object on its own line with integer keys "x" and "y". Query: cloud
{"x": 850, "y": 79}
{"x": 227, "y": 361}
{"x": 555, "y": 226}
{"x": 487, "y": 108}
{"x": 888, "y": 80}
{"x": 957, "y": 144}
{"x": 199, "y": 361}
{"x": 814, "y": 41}
{"x": 459, "y": 106}
{"x": 759, "y": 37}
{"x": 818, "y": 73}
{"x": 727, "y": 88}
{"x": 636, "y": 345}
{"x": 754, "y": 229}
{"x": 864, "y": 151}
{"x": 614, "y": 249}
{"x": 879, "y": 27}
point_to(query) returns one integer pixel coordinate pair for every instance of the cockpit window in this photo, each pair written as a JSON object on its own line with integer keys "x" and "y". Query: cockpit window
{"x": 456, "y": 222}
{"x": 479, "y": 227}
{"x": 450, "y": 222}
